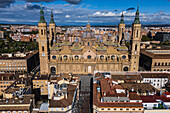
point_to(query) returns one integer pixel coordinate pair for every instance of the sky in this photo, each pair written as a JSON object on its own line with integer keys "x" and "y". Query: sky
{"x": 76, "y": 12}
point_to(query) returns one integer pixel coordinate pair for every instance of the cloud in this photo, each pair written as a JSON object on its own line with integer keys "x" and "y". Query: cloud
{"x": 69, "y": 1}
{"x": 73, "y": 1}
{"x": 98, "y": 13}
{"x": 30, "y": 6}
{"x": 130, "y": 9}
{"x": 39, "y": 0}
{"x": 6, "y": 3}
{"x": 67, "y": 16}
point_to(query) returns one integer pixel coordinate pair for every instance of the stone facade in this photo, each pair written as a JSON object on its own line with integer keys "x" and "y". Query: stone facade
{"x": 89, "y": 53}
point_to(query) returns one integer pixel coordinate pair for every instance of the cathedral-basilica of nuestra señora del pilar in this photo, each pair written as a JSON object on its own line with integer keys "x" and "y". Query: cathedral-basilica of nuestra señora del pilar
{"x": 88, "y": 54}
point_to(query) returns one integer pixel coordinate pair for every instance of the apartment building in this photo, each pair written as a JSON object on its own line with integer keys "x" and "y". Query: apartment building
{"x": 19, "y": 62}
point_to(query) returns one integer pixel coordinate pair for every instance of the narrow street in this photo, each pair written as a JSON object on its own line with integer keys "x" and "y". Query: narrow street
{"x": 83, "y": 105}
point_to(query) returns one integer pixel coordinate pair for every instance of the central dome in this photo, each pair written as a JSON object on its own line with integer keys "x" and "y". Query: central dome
{"x": 88, "y": 34}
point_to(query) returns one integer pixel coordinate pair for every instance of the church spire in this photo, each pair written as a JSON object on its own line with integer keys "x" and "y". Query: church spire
{"x": 88, "y": 25}
{"x": 137, "y": 21}
{"x": 42, "y": 20}
{"x": 52, "y": 19}
{"x": 122, "y": 19}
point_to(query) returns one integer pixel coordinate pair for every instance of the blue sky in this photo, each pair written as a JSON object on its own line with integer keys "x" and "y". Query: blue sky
{"x": 76, "y": 12}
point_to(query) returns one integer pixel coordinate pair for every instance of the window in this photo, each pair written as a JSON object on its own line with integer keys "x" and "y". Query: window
{"x": 136, "y": 47}
{"x": 159, "y": 64}
{"x": 155, "y": 105}
{"x": 41, "y": 32}
{"x": 124, "y": 57}
{"x": 102, "y": 109}
{"x": 155, "y": 64}
{"x": 162, "y": 64}
{"x": 165, "y": 63}
{"x": 57, "y": 109}
{"x": 127, "y": 109}
{"x": 62, "y": 108}
{"x": 89, "y": 56}
{"x": 114, "y": 108}
{"x": 43, "y": 48}
{"x": 101, "y": 57}
{"x": 88, "y": 43}
{"x": 76, "y": 57}
{"x": 112, "y": 57}
{"x": 53, "y": 57}
{"x": 133, "y": 109}
{"x": 121, "y": 109}
{"x": 108, "y": 109}
{"x": 65, "y": 57}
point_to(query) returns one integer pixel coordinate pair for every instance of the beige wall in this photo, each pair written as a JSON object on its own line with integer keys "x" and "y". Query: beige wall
{"x": 42, "y": 84}
{"x": 13, "y": 65}
{"x": 161, "y": 67}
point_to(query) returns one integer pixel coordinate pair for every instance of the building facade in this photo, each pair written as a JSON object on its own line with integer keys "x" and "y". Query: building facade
{"x": 89, "y": 53}
{"x": 19, "y": 62}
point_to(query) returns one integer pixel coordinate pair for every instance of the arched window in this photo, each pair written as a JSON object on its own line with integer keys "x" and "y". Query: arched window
{"x": 88, "y": 43}
{"x": 125, "y": 69}
{"x": 89, "y": 56}
{"x": 155, "y": 64}
{"x": 162, "y": 63}
{"x": 137, "y": 33}
{"x": 43, "y": 48}
{"x": 124, "y": 57}
{"x": 53, "y": 57}
{"x": 76, "y": 57}
{"x": 101, "y": 57}
{"x": 41, "y": 32}
{"x": 158, "y": 63}
{"x": 53, "y": 70}
{"x": 157, "y": 69}
{"x": 113, "y": 57}
{"x": 165, "y": 63}
{"x": 136, "y": 47}
{"x": 154, "y": 70}
{"x": 65, "y": 57}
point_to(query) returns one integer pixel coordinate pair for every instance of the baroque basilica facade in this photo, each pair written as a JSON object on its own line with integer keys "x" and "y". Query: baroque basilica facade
{"x": 88, "y": 54}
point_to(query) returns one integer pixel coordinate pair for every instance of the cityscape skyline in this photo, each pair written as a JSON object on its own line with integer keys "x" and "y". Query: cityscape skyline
{"x": 76, "y": 12}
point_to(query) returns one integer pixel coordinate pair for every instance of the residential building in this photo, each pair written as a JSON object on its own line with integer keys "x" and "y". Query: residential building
{"x": 158, "y": 80}
{"x": 109, "y": 96}
{"x": 155, "y": 59}
{"x": 19, "y": 62}
{"x": 6, "y": 80}
{"x": 63, "y": 93}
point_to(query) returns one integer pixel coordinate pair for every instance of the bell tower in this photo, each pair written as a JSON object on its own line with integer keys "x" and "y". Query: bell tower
{"x": 121, "y": 28}
{"x": 135, "y": 42}
{"x": 52, "y": 30}
{"x": 43, "y": 44}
